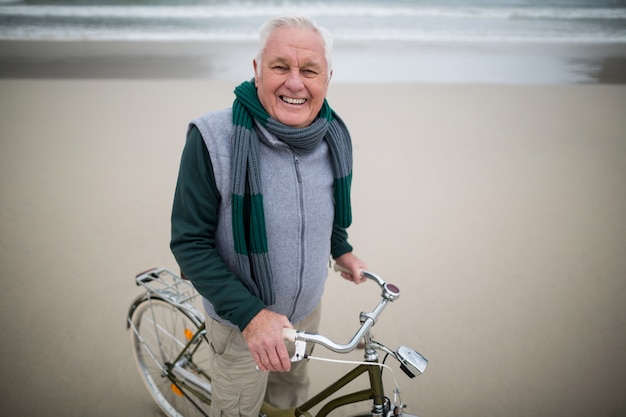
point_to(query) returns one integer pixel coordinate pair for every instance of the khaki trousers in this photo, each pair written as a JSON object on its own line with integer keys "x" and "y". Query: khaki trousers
{"x": 238, "y": 388}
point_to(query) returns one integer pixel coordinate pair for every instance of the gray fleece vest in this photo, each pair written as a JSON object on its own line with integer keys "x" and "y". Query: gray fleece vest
{"x": 299, "y": 212}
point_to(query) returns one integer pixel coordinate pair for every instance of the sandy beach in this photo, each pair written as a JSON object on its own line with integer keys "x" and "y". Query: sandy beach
{"x": 499, "y": 211}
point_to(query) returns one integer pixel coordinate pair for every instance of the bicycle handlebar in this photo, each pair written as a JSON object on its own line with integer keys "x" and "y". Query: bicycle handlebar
{"x": 389, "y": 293}
{"x": 365, "y": 273}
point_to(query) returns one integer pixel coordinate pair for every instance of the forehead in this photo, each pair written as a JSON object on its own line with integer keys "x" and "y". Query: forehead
{"x": 301, "y": 45}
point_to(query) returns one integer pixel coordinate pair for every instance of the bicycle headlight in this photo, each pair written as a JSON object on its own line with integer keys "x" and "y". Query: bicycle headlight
{"x": 411, "y": 361}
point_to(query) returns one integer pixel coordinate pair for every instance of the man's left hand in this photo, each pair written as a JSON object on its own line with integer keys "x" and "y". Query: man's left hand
{"x": 350, "y": 262}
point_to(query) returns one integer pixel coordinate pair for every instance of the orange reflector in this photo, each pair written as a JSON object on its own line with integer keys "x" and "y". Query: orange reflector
{"x": 188, "y": 334}
{"x": 176, "y": 390}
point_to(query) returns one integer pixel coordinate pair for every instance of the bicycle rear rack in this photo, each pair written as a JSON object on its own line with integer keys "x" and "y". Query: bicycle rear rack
{"x": 165, "y": 283}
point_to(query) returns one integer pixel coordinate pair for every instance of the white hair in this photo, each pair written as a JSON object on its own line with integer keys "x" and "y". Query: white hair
{"x": 294, "y": 22}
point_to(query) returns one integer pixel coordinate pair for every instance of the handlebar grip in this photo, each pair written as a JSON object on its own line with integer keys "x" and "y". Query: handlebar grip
{"x": 339, "y": 268}
{"x": 289, "y": 334}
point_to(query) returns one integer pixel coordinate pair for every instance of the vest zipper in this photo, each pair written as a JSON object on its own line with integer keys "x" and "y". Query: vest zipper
{"x": 296, "y": 160}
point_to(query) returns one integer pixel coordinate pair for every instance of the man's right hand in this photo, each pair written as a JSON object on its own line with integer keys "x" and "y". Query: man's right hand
{"x": 264, "y": 336}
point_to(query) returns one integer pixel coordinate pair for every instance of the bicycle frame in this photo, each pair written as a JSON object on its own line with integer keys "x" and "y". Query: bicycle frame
{"x": 375, "y": 393}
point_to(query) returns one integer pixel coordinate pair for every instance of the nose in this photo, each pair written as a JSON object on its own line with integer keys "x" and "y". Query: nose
{"x": 294, "y": 80}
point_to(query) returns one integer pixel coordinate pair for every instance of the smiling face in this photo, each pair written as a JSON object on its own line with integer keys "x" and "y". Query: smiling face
{"x": 293, "y": 77}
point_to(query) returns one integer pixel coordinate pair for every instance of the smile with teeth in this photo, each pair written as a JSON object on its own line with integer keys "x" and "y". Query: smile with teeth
{"x": 291, "y": 100}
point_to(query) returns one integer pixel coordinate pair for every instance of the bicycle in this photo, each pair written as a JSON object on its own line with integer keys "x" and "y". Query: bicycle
{"x": 171, "y": 350}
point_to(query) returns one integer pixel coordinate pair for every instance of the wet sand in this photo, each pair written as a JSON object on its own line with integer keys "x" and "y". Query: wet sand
{"x": 354, "y": 62}
{"x": 499, "y": 211}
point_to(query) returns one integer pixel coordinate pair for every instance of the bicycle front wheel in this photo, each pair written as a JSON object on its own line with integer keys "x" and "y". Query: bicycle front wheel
{"x": 172, "y": 357}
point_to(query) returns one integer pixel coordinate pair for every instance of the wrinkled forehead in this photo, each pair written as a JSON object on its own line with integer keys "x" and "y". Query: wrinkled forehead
{"x": 293, "y": 45}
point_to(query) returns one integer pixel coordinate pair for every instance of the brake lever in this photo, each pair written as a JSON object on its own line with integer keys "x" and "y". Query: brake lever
{"x": 300, "y": 351}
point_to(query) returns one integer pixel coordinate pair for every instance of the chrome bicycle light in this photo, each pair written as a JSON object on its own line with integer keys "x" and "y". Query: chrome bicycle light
{"x": 411, "y": 361}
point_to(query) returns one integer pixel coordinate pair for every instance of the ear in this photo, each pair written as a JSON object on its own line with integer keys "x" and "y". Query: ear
{"x": 256, "y": 74}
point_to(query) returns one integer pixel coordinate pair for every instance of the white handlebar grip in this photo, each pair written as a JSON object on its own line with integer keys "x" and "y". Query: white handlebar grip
{"x": 339, "y": 268}
{"x": 289, "y": 334}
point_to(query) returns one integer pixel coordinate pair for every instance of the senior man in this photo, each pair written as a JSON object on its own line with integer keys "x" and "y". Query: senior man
{"x": 262, "y": 202}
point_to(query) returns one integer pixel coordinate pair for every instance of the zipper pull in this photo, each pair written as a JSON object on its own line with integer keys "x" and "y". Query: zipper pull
{"x": 296, "y": 161}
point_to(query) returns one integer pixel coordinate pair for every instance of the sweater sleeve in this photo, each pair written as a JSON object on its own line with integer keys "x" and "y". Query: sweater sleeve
{"x": 339, "y": 242}
{"x": 194, "y": 223}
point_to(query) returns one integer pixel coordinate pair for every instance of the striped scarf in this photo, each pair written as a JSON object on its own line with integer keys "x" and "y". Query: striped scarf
{"x": 250, "y": 237}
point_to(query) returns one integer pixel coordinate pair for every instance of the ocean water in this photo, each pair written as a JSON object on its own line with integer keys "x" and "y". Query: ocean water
{"x": 510, "y": 41}
{"x": 538, "y": 21}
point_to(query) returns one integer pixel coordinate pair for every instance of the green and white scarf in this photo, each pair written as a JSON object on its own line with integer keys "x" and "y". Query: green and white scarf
{"x": 250, "y": 237}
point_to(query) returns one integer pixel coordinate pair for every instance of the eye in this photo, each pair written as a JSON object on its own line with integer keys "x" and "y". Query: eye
{"x": 309, "y": 73}
{"x": 280, "y": 69}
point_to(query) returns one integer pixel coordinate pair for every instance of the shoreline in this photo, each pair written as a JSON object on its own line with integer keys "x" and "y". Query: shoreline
{"x": 354, "y": 62}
